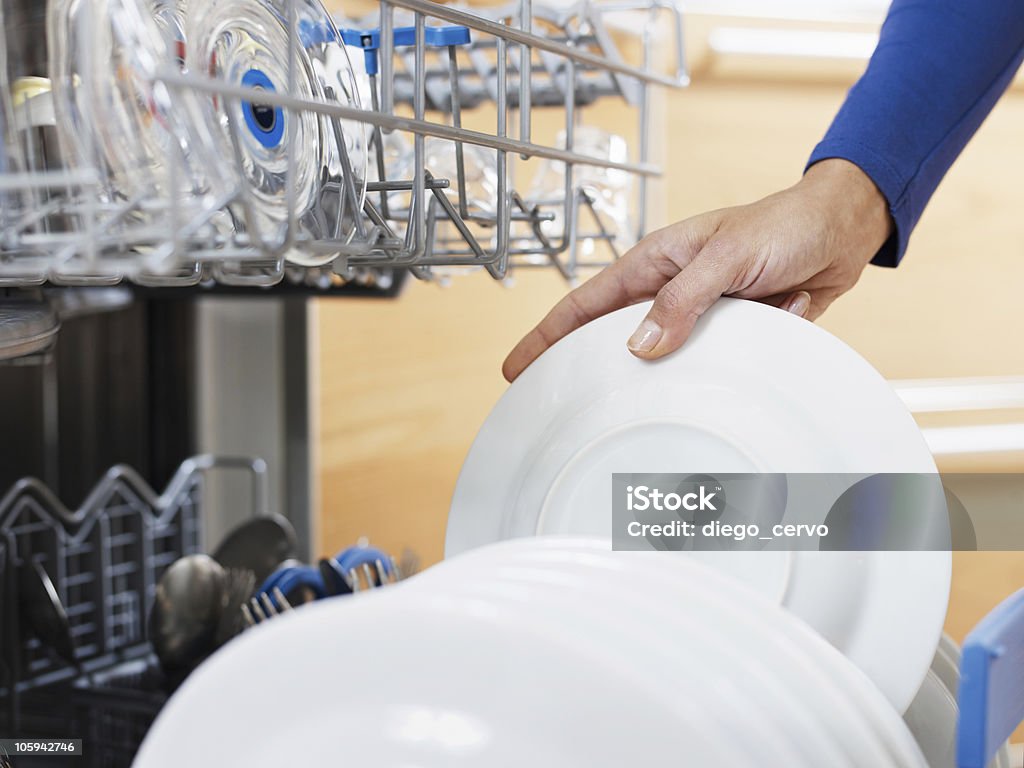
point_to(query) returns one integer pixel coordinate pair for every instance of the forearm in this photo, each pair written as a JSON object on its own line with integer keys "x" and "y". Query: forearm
{"x": 938, "y": 70}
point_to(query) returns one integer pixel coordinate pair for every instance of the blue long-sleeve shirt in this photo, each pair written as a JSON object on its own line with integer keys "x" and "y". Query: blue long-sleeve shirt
{"x": 939, "y": 68}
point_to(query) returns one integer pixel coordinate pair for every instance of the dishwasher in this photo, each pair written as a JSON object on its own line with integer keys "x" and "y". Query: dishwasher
{"x": 164, "y": 229}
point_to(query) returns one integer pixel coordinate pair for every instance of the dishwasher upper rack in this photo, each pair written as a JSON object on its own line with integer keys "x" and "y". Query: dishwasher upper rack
{"x": 59, "y": 227}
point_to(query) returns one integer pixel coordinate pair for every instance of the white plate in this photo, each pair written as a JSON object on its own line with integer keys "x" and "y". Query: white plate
{"x": 584, "y": 602}
{"x": 572, "y": 584}
{"x": 433, "y": 681}
{"x": 577, "y": 592}
{"x": 795, "y": 680}
{"x": 946, "y": 664}
{"x": 932, "y": 718}
{"x": 946, "y": 667}
{"x": 754, "y": 389}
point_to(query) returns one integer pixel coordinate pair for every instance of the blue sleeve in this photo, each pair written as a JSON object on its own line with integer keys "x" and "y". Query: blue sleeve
{"x": 939, "y": 68}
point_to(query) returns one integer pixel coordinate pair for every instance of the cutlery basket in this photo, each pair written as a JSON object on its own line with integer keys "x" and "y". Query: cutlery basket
{"x": 104, "y": 560}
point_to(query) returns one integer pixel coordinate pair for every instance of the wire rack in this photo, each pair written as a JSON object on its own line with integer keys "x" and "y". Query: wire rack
{"x": 104, "y": 559}
{"x": 425, "y": 71}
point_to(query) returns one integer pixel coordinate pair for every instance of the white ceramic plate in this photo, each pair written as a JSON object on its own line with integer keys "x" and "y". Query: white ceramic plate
{"x": 799, "y": 686}
{"x": 929, "y": 701}
{"x": 432, "y": 681}
{"x": 754, "y": 389}
{"x": 932, "y": 718}
{"x": 577, "y": 597}
{"x": 572, "y": 584}
{"x": 578, "y": 593}
{"x": 946, "y": 664}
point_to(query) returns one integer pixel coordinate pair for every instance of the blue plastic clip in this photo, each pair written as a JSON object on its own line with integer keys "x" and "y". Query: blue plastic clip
{"x": 435, "y": 37}
{"x": 991, "y": 693}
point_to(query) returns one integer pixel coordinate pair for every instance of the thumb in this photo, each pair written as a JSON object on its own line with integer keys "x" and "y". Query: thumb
{"x": 678, "y": 306}
{"x": 797, "y": 303}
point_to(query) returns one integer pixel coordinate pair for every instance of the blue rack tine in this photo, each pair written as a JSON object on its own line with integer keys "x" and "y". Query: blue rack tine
{"x": 434, "y": 37}
{"x": 991, "y": 694}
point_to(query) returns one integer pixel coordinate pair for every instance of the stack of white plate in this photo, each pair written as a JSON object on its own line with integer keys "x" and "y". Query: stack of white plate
{"x": 540, "y": 646}
{"x": 540, "y": 652}
{"x": 933, "y": 714}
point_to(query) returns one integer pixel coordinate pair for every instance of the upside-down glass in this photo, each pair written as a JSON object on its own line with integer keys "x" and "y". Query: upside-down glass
{"x": 440, "y": 160}
{"x": 149, "y": 142}
{"x": 246, "y": 43}
{"x": 8, "y": 161}
{"x": 609, "y": 190}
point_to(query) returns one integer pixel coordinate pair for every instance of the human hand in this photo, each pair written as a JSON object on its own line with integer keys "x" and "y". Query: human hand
{"x": 798, "y": 249}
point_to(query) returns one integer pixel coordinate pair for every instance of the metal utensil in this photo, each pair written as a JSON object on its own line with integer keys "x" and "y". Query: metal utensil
{"x": 355, "y": 569}
{"x": 190, "y": 599}
{"x": 265, "y": 606}
{"x": 238, "y": 590}
{"x": 42, "y": 610}
{"x": 259, "y": 545}
{"x": 288, "y": 586}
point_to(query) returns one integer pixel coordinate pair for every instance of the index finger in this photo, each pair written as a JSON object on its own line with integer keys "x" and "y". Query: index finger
{"x": 603, "y": 293}
{"x": 637, "y": 276}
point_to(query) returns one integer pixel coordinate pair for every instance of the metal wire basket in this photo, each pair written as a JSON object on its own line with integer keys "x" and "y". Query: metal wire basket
{"x": 424, "y": 68}
{"x": 104, "y": 560}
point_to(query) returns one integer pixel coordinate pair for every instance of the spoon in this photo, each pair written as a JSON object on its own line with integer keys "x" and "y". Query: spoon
{"x": 186, "y": 611}
{"x": 259, "y": 545}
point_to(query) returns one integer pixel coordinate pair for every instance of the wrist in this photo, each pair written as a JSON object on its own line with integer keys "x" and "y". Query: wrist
{"x": 856, "y": 208}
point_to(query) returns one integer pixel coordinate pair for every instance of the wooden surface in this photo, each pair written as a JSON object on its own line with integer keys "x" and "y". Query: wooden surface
{"x": 404, "y": 385}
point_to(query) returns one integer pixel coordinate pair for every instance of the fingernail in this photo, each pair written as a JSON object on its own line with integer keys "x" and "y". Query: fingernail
{"x": 799, "y": 304}
{"x": 645, "y": 337}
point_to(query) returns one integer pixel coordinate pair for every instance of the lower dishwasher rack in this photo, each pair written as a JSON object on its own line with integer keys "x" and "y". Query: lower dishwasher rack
{"x": 105, "y": 560}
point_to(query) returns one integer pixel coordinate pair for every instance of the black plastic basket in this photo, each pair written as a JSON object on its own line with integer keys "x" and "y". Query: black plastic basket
{"x": 110, "y": 710}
